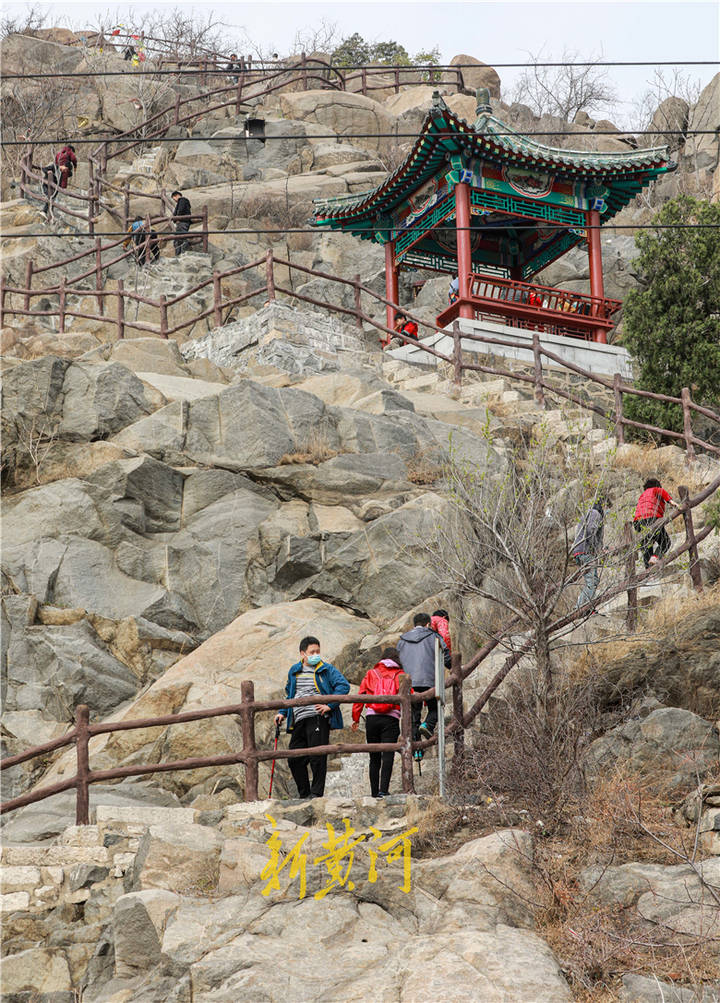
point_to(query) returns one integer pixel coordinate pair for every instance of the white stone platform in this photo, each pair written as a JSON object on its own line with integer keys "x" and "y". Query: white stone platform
{"x": 604, "y": 360}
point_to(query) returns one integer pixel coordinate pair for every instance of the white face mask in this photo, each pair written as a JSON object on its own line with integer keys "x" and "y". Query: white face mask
{"x": 314, "y": 659}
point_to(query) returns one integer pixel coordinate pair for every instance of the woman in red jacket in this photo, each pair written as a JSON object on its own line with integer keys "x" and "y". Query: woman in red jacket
{"x": 649, "y": 511}
{"x": 382, "y": 719}
{"x": 66, "y": 161}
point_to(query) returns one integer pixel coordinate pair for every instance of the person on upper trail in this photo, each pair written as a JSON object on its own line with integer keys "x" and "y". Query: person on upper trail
{"x": 49, "y": 188}
{"x": 310, "y": 725}
{"x": 181, "y": 219}
{"x": 144, "y": 248}
{"x": 416, "y": 648}
{"x": 66, "y": 161}
{"x": 454, "y": 291}
{"x": 234, "y": 67}
{"x": 405, "y": 326}
{"x": 587, "y": 547}
{"x": 382, "y": 719}
{"x": 649, "y": 511}
{"x": 440, "y": 623}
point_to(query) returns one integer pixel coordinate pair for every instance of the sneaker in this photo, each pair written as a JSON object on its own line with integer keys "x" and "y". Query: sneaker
{"x": 424, "y": 731}
{"x": 654, "y": 559}
{"x": 384, "y": 794}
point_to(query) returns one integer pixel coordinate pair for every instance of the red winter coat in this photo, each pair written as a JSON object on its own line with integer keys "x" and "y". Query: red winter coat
{"x": 371, "y": 684}
{"x": 651, "y": 504}
{"x": 66, "y": 158}
{"x": 440, "y": 625}
{"x": 410, "y": 328}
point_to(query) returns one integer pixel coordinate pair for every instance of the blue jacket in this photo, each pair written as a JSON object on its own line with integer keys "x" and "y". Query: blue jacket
{"x": 328, "y": 680}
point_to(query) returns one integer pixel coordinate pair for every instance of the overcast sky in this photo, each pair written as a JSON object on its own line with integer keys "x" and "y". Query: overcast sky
{"x": 493, "y": 32}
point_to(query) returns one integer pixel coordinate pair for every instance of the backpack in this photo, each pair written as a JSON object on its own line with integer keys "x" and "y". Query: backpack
{"x": 385, "y": 684}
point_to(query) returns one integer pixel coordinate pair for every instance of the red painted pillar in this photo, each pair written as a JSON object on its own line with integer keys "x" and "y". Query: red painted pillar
{"x": 391, "y": 286}
{"x": 597, "y": 288}
{"x": 464, "y": 253}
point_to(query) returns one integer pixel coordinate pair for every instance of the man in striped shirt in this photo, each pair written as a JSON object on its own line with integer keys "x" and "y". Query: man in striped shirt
{"x": 311, "y": 724}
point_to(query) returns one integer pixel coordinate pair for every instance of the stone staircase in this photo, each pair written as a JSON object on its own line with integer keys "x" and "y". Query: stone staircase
{"x": 149, "y": 164}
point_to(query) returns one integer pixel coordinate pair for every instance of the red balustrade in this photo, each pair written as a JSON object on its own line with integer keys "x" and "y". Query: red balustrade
{"x": 534, "y": 307}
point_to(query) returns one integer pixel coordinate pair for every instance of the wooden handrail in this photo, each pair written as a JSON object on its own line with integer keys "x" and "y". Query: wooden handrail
{"x": 539, "y": 351}
{"x": 248, "y": 707}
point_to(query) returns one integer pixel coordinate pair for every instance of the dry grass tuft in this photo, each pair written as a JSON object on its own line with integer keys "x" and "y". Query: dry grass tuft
{"x": 658, "y": 624}
{"x": 667, "y": 463}
{"x": 315, "y": 449}
{"x": 423, "y": 468}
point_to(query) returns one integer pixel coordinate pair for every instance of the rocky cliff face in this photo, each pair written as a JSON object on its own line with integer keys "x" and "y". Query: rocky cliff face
{"x": 176, "y": 515}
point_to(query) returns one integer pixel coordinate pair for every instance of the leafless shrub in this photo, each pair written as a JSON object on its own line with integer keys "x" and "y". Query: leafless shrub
{"x": 511, "y": 545}
{"x": 529, "y": 758}
{"x": 564, "y": 90}
{"x": 31, "y": 21}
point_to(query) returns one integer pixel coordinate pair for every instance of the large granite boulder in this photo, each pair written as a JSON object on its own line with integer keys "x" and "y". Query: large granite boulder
{"x": 477, "y": 74}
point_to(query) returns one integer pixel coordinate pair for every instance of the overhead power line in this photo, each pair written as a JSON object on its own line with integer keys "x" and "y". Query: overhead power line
{"x": 85, "y": 141}
{"x": 376, "y": 70}
{"x": 327, "y": 230}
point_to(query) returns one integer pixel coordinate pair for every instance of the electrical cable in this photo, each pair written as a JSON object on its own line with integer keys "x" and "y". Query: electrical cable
{"x": 327, "y": 230}
{"x": 359, "y": 135}
{"x": 376, "y": 70}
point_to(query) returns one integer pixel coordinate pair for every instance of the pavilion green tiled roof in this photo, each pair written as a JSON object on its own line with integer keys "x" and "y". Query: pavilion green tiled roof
{"x": 444, "y": 135}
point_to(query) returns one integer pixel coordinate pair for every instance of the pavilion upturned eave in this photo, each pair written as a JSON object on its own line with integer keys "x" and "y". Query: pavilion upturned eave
{"x": 445, "y": 135}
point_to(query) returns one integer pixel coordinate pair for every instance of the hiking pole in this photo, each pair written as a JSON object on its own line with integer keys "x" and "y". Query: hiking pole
{"x": 272, "y": 770}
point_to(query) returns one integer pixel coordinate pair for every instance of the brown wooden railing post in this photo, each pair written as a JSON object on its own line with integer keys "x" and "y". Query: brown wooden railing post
{"x": 537, "y": 362}
{"x": 363, "y": 78}
{"x": 694, "y": 569}
{"x": 98, "y": 273}
{"x": 217, "y": 300}
{"x": 458, "y": 710}
{"x": 247, "y": 720}
{"x": 631, "y": 616}
{"x": 82, "y": 804}
{"x": 63, "y": 294}
{"x": 177, "y": 110}
{"x": 303, "y": 57}
{"x": 90, "y": 213}
{"x": 121, "y": 309}
{"x": 2, "y": 301}
{"x": 406, "y": 755}
{"x": 358, "y": 309}
{"x": 163, "y": 317}
{"x": 238, "y": 96}
{"x": 457, "y": 354}
{"x": 126, "y": 205}
{"x": 205, "y": 228}
{"x": 397, "y": 80}
{"x": 28, "y": 283}
{"x": 617, "y": 394}
{"x": 687, "y": 424}
{"x": 146, "y": 247}
{"x": 270, "y": 274}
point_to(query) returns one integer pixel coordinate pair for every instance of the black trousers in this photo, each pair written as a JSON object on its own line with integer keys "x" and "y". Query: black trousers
{"x": 658, "y": 537}
{"x": 432, "y": 715}
{"x": 381, "y": 728}
{"x": 181, "y": 242}
{"x": 306, "y": 733}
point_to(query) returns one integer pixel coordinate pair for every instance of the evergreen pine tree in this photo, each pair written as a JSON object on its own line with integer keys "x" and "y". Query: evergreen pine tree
{"x": 672, "y": 322}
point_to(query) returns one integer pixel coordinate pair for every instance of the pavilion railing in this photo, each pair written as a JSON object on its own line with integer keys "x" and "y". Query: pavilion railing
{"x": 534, "y": 307}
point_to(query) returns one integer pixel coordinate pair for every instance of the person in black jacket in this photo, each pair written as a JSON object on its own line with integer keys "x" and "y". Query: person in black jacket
{"x": 181, "y": 218}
